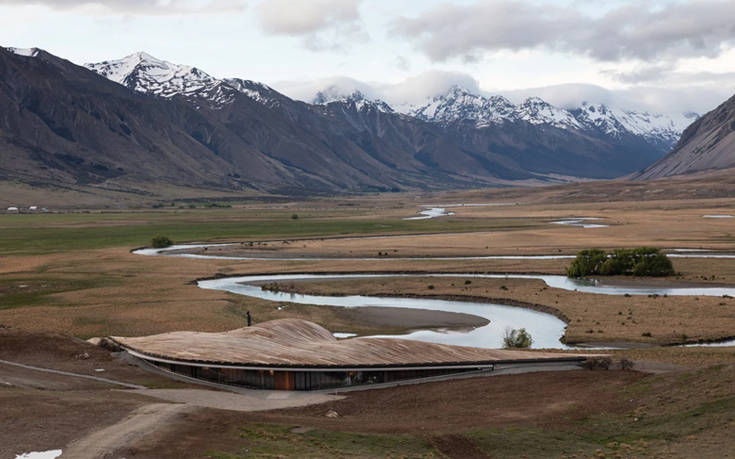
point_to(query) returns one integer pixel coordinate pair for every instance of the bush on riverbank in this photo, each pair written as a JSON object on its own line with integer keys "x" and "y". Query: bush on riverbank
{"x": 642, "y": 261}
{"x": 517, "y": 339}
{"x": 160, "y": 242}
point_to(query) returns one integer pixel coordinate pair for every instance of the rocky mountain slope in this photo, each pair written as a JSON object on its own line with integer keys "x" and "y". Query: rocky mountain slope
{"x": 119, "y": 124}
{"x": 708, "y": 144}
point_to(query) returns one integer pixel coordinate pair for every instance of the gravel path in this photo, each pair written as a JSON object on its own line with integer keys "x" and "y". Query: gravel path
{"x": 74, "y": 375}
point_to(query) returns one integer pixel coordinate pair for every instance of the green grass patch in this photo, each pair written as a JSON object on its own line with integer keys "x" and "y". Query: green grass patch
{"x": 629, "y": 434}
{"x": 16, "y": 293}
{"x": 272, "y": 440}
{"x": 532, "y": 442}
{"x": 49, "y": 233}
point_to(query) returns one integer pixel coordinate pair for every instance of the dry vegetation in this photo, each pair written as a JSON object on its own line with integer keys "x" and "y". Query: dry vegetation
{"x": 74, "y": 274}
{"x": 593, "y": 318}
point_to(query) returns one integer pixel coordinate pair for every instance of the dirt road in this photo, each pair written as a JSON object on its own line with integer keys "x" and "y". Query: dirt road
{"x": 142, "y": 421}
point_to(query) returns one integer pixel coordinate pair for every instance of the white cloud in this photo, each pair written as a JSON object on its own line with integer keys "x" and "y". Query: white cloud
{"x": 640, "y": 30}
{"x": 418, "y": 89}
{"x": 287, "y": 17}
{"x": 411, "y": 91}
{"x": 338, "y": 85}
{"x": 141, "y": 7}
{"x": 323, "y": 24}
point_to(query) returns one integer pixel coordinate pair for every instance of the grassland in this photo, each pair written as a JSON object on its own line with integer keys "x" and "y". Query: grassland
{"x": 29, "y": 234}
{"x": 74, "y": 274}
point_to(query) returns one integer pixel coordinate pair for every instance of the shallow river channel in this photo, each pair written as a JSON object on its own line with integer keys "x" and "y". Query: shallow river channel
{"x": 546, "y": 329}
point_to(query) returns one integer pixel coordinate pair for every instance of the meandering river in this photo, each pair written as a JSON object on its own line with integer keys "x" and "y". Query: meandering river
{"x": 545, "y": 328}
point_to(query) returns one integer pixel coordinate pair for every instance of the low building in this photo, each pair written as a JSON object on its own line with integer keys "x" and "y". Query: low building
{"x": 293, "y": 354}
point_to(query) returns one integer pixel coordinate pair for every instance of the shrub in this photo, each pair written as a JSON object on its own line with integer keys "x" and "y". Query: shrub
{"x": 657, "y": 265}
{"x": 588, "y": 262}
{"x": 294, "y": 216}
{"x": 642, "y": 261}
{"x": 161, "y": 241}
{"x": 517, "y": 338}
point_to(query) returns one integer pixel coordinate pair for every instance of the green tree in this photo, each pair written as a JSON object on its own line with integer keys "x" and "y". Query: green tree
{"x": 642, "y": 261}
{"x": 618, "y": 262}
{"x": 161, "y": 241}
{"x": 587, "y": 263}
{"x": 657, "y": 265}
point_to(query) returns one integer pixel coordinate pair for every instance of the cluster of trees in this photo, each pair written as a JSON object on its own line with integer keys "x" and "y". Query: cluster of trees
{"x": 643, "y": 261}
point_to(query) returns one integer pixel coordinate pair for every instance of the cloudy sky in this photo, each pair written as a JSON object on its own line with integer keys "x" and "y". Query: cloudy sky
{"x": 664, "y": 55}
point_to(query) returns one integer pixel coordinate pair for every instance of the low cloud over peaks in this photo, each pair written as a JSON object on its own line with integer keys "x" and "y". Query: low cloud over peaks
{"x": 411, "y": 91}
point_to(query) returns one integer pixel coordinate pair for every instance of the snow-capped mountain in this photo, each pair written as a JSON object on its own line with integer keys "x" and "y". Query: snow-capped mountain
{"x": 147, "y": 74}
{"x": 459, "y": 104}
{"x": 616, "y": 122}
{"x": 356, "y": 99}
{"x": 537, "y": 111}
{"x": 192, "y": 129}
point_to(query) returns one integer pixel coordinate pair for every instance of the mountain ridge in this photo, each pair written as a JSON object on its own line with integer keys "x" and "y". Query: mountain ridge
{"x": 161, "y": 122}
{"x": 708, "y": 144}
{"x": 458, "y": 104}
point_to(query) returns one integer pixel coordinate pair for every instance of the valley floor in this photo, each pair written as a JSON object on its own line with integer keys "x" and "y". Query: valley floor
{"x": 66, "y": 275}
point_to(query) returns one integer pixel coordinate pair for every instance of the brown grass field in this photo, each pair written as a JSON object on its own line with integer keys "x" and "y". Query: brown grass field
{"x": 74, "y": 274}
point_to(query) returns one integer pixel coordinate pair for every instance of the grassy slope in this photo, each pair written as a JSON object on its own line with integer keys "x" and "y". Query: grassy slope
{"x": 580, "y": 414}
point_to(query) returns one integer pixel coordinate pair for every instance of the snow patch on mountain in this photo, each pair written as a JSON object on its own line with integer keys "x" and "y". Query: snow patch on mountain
{"x": 537, "y": 111}
{"x": 144, "y": 73}
{"x": 356, "y": 99}
{"x": 147, "y": 74}
{"x": 616, "y": 122}
{"x": 27, "y": 52}
{"x": 458, "y": 104}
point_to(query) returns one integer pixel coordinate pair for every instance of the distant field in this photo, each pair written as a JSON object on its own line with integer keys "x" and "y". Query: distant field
{"x": 50, "y": 233}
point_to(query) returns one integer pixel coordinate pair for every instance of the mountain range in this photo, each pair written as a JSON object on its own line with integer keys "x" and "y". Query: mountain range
{"x": 124, "y": 124}
{"x": 460, "y": 105}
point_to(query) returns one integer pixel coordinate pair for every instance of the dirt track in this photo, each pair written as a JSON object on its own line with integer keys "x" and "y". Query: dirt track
{"x": 142, "y": 421}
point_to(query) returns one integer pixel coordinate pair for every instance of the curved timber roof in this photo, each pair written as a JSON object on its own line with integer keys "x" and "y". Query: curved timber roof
{"x": 300, "y": 343}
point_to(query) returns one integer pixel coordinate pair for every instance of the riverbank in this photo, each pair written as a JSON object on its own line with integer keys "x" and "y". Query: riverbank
{"x": 591, "y": 318}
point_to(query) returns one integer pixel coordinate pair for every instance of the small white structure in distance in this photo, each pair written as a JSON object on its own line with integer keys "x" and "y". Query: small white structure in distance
{"x": 12, "y": 209}
{"x": 33, "y": 208}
